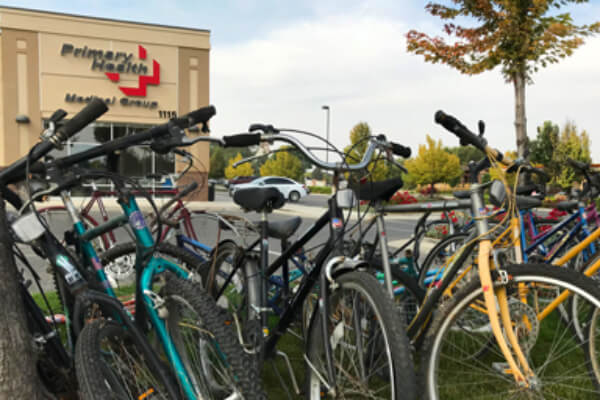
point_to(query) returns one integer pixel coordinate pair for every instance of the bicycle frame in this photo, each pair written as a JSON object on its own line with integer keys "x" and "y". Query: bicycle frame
{"x": 558, "y": 244}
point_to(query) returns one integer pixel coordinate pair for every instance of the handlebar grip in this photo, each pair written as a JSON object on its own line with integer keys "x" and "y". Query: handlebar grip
{"x": 577, "y": 164}
{"x": 241, "y": 140}
{"x": 455, "y": 126}
{"x": 89, "y": 114}
{"x": 541, "y": 173}
{"x": 263, "y": 127}
{"x": 201, "y": 115}
{"x": 58, "y": 115}
{"x": 400, "y": 150}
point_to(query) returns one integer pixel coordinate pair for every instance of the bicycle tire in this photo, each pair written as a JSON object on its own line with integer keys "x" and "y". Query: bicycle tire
{"x": 400, "y": 377}
{"x": 541, "y": 276}
{"x": 213, "y": 326}
{"x": 96, "y": 378}
{"x": 436, "y": 253}
{"x": 178, "y": 255}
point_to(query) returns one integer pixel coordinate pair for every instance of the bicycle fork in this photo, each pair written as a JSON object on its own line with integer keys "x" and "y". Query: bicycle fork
{"x": 496, "y": 298}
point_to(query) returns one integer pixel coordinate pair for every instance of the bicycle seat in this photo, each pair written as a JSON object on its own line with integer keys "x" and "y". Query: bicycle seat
{"x": 462, "y": 194}
{"x": 382, "y": 190}
{"x": 527, "y": 202}
{"x": 259, "y": 199}
{"x": 567, "y": 205}
{"x": 283, "y": 229}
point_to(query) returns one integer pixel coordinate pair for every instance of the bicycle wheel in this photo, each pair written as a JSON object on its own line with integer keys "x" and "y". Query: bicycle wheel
{"x": 371, "y": 353}
{"x": 207, "y": 343}
{"x": 438, "y": 256}
{"x": 120, "y": 261}
{"x": 110, "y": 364}
{"x": 559, "y": 361}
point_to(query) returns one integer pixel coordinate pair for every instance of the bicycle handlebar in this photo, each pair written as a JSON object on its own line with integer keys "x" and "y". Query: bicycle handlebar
{"x": 464, "y": 134}
{"x": 92, "y": 111}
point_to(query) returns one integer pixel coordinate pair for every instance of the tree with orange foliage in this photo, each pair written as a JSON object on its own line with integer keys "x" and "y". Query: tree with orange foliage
{"x": 517, "y": 35}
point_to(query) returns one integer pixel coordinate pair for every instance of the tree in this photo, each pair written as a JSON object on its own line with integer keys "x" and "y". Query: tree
{"x": 552, "y": 148}
{"x": 283, "y": 163}
{"x": 572, "y": 145}
{"x": 433, "y": 165}
{"x": 466, "y": 154}
{"x": 517, "y": 35}
{"x": 17, "y": 355}
{"x": 217, "y": 162}
{"x": 317, "y": 174}
{"x": 542, "y": 148}
{"x": 359, "y": 141}
{"x": 242, "y": 170}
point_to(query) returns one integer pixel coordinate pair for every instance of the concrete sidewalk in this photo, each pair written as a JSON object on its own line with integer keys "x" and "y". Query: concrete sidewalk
{"x": 223, "y": 206}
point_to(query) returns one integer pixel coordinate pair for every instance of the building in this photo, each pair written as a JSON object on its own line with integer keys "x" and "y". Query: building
{"x": 146, "y": 74}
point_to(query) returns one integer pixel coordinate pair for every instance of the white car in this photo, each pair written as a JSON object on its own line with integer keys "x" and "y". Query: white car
{"x": 290, "y": 189}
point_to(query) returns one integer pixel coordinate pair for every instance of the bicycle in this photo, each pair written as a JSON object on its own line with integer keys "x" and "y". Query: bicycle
{"x": 204, "y": 357}
{"x": 380, "y": 349}
{"x": 500, "y": 329}
{"x": 56, "y": 363}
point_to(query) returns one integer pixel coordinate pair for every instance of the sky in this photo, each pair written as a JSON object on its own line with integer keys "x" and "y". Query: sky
{"x": 279, "y": 62}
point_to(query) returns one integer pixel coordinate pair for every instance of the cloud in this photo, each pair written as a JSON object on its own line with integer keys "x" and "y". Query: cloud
{"x": 357, "y": 64}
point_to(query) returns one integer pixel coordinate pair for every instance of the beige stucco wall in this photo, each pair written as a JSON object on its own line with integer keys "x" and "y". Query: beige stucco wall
{"x": 35, "y": 78}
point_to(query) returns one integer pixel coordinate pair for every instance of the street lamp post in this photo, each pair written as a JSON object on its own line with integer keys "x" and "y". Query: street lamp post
{"x": 326, "y": 108}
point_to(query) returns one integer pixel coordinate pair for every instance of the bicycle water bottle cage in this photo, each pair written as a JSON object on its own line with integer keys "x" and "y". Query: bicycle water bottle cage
{"x": 259, "y": 199}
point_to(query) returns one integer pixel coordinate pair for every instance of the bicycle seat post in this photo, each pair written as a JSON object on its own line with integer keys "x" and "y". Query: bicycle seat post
{"x": 285, "y": 272}
{"x": 264, "y": 262}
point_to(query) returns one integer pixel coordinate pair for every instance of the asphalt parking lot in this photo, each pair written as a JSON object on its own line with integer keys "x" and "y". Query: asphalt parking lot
{"x": 398, "y": 228}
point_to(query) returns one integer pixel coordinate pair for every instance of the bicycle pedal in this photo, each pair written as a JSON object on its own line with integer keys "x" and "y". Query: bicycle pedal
{"x": 502, "y": 367}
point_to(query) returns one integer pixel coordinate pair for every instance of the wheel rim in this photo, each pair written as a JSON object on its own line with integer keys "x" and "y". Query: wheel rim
{"x": 356, "y": 376}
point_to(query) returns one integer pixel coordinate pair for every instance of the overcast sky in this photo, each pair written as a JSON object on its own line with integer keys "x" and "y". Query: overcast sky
{"x": 280, "y": 61}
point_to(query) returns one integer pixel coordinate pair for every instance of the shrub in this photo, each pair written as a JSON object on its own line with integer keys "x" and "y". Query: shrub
{"x": 402, "y": 198}
{"x": 320, "y": 189}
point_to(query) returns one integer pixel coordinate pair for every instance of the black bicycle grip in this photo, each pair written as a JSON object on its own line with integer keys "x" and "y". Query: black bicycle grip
{"x": 241, "y": 140}
{"x": 266, "y": 128}
{"x": 400, "y": 150}
{"x": 89, "y": 114}
{"x": 578, "y": 164}
{"x": 541, "y": 173}
{"x": 58, "y": 115}
{"x": 201, "y": 115}
{"x": 455, "y": 126}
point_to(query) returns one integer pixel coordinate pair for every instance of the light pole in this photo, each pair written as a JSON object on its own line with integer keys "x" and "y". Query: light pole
{"x": 326, "y": 108}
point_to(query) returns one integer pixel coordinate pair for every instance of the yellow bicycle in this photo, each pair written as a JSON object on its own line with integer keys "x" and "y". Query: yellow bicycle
{"x": 520, "y": 331}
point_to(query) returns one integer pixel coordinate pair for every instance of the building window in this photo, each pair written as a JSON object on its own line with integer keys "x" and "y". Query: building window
{"x": 135, "y": 162}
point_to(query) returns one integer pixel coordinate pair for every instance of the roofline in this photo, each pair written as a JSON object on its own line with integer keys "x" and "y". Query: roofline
{"x": 106, "y": 19}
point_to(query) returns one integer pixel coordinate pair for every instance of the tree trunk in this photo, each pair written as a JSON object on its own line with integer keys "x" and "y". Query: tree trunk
{"x": 520, "y": 118}
{"x": 18, "y": 377}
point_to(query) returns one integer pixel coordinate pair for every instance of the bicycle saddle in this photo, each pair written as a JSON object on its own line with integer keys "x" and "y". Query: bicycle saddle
{"x": 567, "y": 205}
{"x": 498, "y": 197}
{"x": 283, "y": 229}
{"x": 462, "y": 194}
{"x": 382, "y": 190}
{"x": 259, "y": 199}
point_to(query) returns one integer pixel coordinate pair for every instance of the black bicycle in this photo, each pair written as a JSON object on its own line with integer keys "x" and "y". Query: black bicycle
{"x": 355, "y": 344}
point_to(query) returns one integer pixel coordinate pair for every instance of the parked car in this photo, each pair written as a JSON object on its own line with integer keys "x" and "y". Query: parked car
{"x": 240, "y": 179}
{"x": 290, "y": 189}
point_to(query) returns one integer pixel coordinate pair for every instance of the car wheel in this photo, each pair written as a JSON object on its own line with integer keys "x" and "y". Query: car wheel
{"x": 294, "y": 196}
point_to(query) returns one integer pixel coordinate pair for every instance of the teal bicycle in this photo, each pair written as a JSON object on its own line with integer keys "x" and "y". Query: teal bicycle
{"x": 197, "y": 341}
